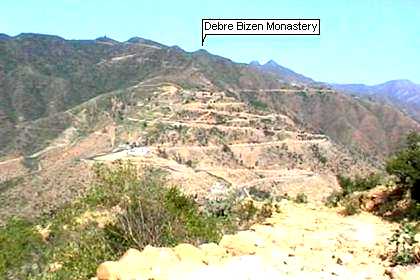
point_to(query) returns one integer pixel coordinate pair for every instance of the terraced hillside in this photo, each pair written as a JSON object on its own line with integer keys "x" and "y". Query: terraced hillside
{"x": 207, "y": 141}
{"x": 207, "y": 138}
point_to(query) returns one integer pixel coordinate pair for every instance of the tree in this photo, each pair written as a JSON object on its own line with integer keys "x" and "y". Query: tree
{"x": 405, "y": 164}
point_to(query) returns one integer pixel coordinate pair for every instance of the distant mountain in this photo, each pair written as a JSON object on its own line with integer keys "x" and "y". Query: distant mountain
{"x": 4, "y": 36}
{"x": 286, "y": 74}
{"x": 403, "y": 94}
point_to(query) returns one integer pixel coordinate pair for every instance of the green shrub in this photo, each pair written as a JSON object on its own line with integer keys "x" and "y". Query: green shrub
{"x": 351, "y": 207}
{"x": 259, "y": 194}
{"x": 334, "y": 198}
{"x": 402, "y": 244}
{"x": 350, "y": 185}
{"x": 221, "y": 207}
{"x": 162, "y": 217}
{"x": 405, "y": 165}
{"x": 20, "y": 245}
{"x": 301, "y": 198}
{"x": 247, "y": 211}
{"x": 147, "y": 213}
{"x": 258, "y": 104}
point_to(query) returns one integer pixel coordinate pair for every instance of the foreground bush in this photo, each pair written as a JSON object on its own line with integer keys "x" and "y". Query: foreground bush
{"x": 161, "y": 217}
{"x": 403, "y": 244}
{"x": 348, "y": 187}
{"x": 405, "y": 165}
{"x": 19, "y": 245}
{"x": 123, "y": 209}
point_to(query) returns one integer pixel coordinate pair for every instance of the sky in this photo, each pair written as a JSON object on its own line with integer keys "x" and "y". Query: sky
{"x": 361, "y": 41}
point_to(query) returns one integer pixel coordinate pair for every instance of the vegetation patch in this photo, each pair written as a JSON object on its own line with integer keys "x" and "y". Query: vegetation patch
{"x": 123, "y": 209}
{"x": 258, "y": 104}
{"x": 349, "y": 185}
{"x": 301, "y": 198}
{"x": 11, "y": 183}
{"x": 397, "y": 203}
{"x": 402, "y": 245}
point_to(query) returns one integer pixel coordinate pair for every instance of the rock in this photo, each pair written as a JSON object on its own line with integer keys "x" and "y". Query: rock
{"x": 108, "y": 271}
{"x": 134, "y": 265}
{"x": 44, "y": 232}
{"x": 138, "y": 274}
{"x": 182, "y": 270}
{"x": 189, "y": 253}
{"x": 243, "y": 243}
{"x": 406, "y": 273}
{"x": 159, "y": 256}
{"x": 416, "y": 249}
{"x": 132, "y": 255}
{"x": 213, "y": 253}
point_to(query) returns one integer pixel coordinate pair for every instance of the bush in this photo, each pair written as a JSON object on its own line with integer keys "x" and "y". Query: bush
{"x": 162, "y": 217}
{"x": 19, "y": 244}
{"x": 148, "y": 213}
{"x": 257, "y": 104}
{"x": 259, "y": 194}
{"x": 334, "y": 198}
{"x": 301, "y": 198}
{"x": 402, "y": 244}
{"x": 350, "y": 185}
{"x": 351, "y": 207}
{"x": 405, "y": 165}
{"x": 138, "y": 210}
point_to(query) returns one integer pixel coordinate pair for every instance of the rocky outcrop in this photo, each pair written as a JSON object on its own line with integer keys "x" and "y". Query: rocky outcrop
{"x": 303, "y": 241}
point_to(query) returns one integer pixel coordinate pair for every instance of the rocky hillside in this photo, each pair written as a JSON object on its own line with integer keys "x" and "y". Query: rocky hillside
{"x": 42, "y": 77}
{"x": 205, "y": 140}
{"x": 403, "y": 94}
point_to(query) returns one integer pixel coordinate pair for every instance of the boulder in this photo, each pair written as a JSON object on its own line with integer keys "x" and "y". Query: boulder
{"x": 213, "y": 253}
{"x": 406, "y": 273}
{"x": 108, "y": 271}
{"x": 242, "y": 243}
{"x": 189, "y": 253}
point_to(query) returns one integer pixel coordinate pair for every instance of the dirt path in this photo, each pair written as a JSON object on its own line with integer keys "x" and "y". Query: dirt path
{"x": 303, "y": 241}
{"x": 244, "y": 145}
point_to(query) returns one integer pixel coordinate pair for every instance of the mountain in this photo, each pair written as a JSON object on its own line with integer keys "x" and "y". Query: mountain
{"x": 284, "y": 73}
{"x": 42, "y": 77}
{"x": 403, "y": 94}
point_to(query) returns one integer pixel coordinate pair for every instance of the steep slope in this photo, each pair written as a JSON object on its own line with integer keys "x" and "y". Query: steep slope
{"x": 403, "y": 94}
{"x": 369, "y": 127}
{"x": 43, "y": 75}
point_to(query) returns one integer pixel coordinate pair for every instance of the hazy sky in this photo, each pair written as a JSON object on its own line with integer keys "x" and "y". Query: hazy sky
{"x": 361, "y": 41}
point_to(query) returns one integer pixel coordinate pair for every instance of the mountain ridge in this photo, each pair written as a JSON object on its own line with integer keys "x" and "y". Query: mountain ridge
{"x": 287, "y": 74}
{"x": 403, "y": 94}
